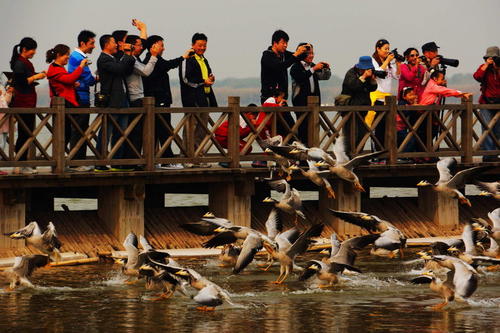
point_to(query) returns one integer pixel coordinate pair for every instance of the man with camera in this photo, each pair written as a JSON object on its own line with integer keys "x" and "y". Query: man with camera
{"x": 112, "y": 74}
{"x": 305, "y": 82}
{"x": 432, "y": 60}
{"x": 157, "y": 85}
{"x": 488, "y": 74}
{"x": 274, "y": 65}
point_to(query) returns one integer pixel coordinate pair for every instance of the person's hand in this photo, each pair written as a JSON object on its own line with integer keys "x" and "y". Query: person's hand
{"x": 40, "y": 76}
{"x": 127, "y": 48}
{"x": 467, "y": 95}
{"x": 84, "y": 62}
{"x": 318, "y": 66}
{"x": 367, "y": 74}
{"x": 489, "y": 61}
{"x": 325, "y": 64}
{"x": 435, "y": 61}
{"x": 301, "y": 50}
{"x": 208, "y": 82}
{"x": 211, "y": 77}
{"x": 76, "y": 84}
{"x": 141, "y": 26}
{"x": 155, "y": 49}
{"x": 390, "y": 57}
{"x": 189, "y": 53}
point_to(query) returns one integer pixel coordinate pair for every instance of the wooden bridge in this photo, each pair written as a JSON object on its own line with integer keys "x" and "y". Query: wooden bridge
{"x": 123, "y": 197}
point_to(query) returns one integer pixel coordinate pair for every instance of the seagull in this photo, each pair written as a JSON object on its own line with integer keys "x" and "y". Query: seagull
{"x": 47, "y": 242}
{"x": 316, "y": 154}
{"x": 491, "y": 189}
{"x": 23, "y": 268}
{"x": 158, "y": 278}
{"x": 460, "y": 284}
{"x": 341, "y": 259}
{"x": 343, "y": 167}
{"x": 135, "y": 259}
{"x": 450, "y": 184}
{"x": 317, "y": 176}
{"x": 290, "y": 202}
{"x": 286, "y": 252}
{"x": 390, "y": 241}
{"x": 209, "y": 294}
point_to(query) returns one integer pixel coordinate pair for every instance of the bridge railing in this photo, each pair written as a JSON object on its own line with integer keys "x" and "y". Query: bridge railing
{"x": 151, "y": 137}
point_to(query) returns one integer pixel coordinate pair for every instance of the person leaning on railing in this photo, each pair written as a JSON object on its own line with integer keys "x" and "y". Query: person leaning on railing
{"x": 488, "y": 74}
{"x": 358, "y": 82}
{"x": 433, "y": 92}
{"x": 413, "y": 73}
{"x": 62, "y": 83}
{"x": 24, "y": 82}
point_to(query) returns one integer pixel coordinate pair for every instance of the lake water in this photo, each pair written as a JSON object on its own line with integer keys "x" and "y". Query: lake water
{"x": 94, "y": 299}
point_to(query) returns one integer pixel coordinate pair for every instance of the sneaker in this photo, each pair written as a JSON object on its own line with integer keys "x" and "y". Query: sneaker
{"x": 3, "y": 173}
{"x": 101, "y": 168}
{"x": 84, "y": 168}
{"x": 197, "y": 165}
{"x": 224, "y": 164}
{"x": 28, "y": 171}
{"x": 403, "y": 161}
{"x": 175, "y": 166}
{"x": 121, "y": 168}
{"x": 259, "y": 164}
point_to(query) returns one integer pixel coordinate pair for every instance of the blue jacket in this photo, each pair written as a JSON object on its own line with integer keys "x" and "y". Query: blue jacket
{"x": 86, "y": 80}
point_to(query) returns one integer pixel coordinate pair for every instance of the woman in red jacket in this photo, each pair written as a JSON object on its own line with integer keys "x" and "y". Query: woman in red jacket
{"x": 62, "y": 83}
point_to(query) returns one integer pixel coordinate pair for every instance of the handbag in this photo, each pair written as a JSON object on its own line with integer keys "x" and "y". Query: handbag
{"x": 100, "y": 100}
{"x": 343, "y": 100}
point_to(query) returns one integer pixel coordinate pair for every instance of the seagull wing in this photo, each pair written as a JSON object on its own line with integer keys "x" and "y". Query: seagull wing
{"x": 356, "y": 161}
{"x": 302, "y": 243}
{"x": 494, "y": 216}
{"x": 369, "y": 222}
{"x": 446, "y": 167}
{"x": 340, "y": 149}
{"x": 27, "y": 231}
{"x": 251, "y": 245}
{"x": 25, "y": 266}
{"x": 280, "y": 185}
{"x": 226, "y": 237}
{"x": 144, "y": 243}
{"x": 462, "y": 177}
{"x": 274, "y": 224}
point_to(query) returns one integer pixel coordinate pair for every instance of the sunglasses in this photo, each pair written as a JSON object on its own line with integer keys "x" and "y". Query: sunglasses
{"x": 413, "y": 55}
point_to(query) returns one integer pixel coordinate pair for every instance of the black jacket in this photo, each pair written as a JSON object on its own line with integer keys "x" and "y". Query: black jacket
{"x": 157, "y": 84}
{"x": 112, "y": 74}
{"x": 358, "y": 90}
{"x": 193, "y": 84}
{"x": 273, "y": 72}
{"x": 301, "y": 83}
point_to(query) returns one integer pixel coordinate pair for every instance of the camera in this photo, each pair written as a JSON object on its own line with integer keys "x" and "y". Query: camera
{"x": 497, "y": 61}
{"x": 380, "y": 74}
{"x": 448, "y": 62}
{"x": 308, "y": 48}
{"x": 191, "y": 53}
{"x": 397, "y": 56}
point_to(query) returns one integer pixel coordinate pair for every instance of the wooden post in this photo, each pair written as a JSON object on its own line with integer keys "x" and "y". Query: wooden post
{"x": 442, "y": 209}
{"x": 12, "y": 216}
{"x": 58, "y": 143}
{"x": 466, "y": 141}
{"x": 233, "y": 146}
{"x": 313, "y": 121}
{"x": 232, "y": 200}
{"x": 149, "y": 133}
{"x": 391, "y": 144}
{"x": 121, "y": 208}
{"x": 346, "y": 199}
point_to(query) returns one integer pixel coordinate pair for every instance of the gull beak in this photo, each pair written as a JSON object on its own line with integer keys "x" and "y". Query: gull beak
{"x": 485, "y": 194}
{"x": 313, "y": 267}
{"x": 119, "y": 262}
{"x": 15, "y": 235}
{"x": 146, "y": 268}
{"x": 479, "y": 228}
{"x": 465, "y": 201}
{"x": 268, "y": 150}
{"x": 324, "y": 252}
{"x": 209, "y": 214}
{"x": 294, "y": 151}
{"x": 321, "y": 164}
{"x": 453, "y": 249}
{"x": 366, "y": 217}
{"x": 182, "y": 272}
{"x": 293, "y": 167}
{"x": 268, "y": 199}
{"x": 424, "y": 255}
{"x": 423, "y": 183}
{"x": 429, "y": 273}
{"x": 219, "y": 229}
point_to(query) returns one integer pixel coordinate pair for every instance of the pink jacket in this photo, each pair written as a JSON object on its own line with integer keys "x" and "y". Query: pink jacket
{"x": 434, "y": 92}
{"x": 412, "y": 77}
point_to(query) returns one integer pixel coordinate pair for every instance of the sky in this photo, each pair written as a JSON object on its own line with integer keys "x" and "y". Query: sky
{"x": 238, "y": 31}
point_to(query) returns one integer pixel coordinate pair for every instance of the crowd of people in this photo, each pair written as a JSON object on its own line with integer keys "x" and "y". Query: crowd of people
{"x": 125, "y": 76}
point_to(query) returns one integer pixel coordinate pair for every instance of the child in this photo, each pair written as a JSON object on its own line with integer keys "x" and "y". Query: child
{"x": 408, "y": 97}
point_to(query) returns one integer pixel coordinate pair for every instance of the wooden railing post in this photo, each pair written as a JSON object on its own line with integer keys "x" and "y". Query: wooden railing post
{"x": 313, "y": 121}
{"x": 466, "y": 140}
{"x": 58, "y": 135}
{"x": 233, "y": 135}
{"x": 391, "y": 143}
{"x": 148, "y": 135}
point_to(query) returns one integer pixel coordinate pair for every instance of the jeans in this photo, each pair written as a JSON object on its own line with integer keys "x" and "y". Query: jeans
{"x": 22, "y": 135}
{"x": 488, "y": 143}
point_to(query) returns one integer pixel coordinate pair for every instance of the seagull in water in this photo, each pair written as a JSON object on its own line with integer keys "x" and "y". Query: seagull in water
{"x": 47, "y": 242}
{"x": 23, "y": 268}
